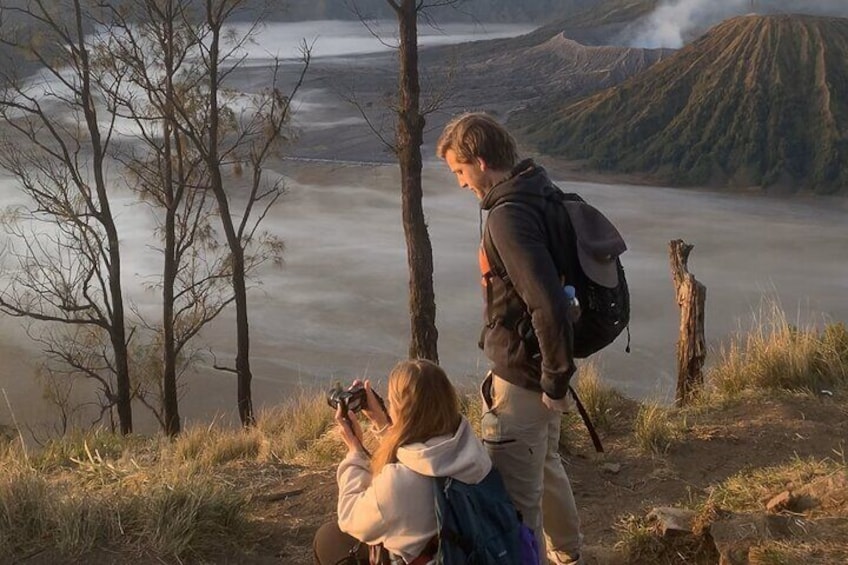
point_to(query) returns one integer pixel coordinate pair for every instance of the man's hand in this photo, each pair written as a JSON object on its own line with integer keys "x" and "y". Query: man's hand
{"x": 564, "y": 404}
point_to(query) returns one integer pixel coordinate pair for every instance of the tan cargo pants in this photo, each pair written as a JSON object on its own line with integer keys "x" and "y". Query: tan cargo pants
{"x": 522, "y": 437}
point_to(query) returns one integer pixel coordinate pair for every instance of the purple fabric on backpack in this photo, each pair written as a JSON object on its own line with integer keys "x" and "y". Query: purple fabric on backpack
{"x": 529, "y": 547}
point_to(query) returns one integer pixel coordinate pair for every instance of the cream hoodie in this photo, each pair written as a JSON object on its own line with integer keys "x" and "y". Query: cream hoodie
{"x": 397, "y": 507}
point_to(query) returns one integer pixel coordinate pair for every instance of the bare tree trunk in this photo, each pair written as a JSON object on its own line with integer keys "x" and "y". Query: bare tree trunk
{"x": 170, "y": 401}
{"x": 146, "y": 37}
{"x": 244, "y": 395}
{"x": 410, "y": 133}
{"x": 117, "y": 331}
{"x": 691, "y": 346}
{"x": 243, "y": 373}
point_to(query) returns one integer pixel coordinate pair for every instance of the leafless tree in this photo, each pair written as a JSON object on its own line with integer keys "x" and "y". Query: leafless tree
{"x": 153, "y": 43}
{"x": 409, "y": 137}
{"x": 68, "y": 261}
{"x": 76, "y": 353}
{"x": 232, "y": 144}
{"x": 162, "y": 64}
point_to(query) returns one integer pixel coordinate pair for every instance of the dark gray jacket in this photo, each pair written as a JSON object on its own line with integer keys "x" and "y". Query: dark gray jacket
{"x": 516, "y": 226}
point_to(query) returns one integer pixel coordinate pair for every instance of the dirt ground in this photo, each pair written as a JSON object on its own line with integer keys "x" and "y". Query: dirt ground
{"x": 715, "y": 446}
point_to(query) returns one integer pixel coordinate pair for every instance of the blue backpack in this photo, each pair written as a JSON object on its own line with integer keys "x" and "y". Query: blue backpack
{"x": 478, "y": 525}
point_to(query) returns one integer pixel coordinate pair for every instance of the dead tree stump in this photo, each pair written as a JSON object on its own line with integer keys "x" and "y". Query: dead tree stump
{"x": 691, "y": 346}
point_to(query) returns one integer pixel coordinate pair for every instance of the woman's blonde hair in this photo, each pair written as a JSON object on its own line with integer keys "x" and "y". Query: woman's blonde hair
{"x": 424, "y": 405}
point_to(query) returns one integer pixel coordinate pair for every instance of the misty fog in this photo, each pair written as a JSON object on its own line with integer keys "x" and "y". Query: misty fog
{"x": 337, "y": 308}
{"x": 676, "y": 22}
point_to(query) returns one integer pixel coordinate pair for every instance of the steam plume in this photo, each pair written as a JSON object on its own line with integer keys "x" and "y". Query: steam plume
{"x": 675, "y": 22}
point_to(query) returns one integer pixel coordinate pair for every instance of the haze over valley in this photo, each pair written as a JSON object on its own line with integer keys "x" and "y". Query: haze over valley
{"x": 337, "y": 307}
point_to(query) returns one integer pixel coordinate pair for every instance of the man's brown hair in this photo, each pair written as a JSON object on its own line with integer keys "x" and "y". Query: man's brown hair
{"x": 478, "y": 135}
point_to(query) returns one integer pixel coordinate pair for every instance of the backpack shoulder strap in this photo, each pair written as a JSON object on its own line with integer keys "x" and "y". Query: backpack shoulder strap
{"x": 492, "y": 255}
{"x": 564, "y": 264}
{"x": 443, "y": 506}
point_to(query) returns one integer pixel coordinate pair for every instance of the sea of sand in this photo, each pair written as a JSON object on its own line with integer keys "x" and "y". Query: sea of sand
{"x": 337, "y": 308}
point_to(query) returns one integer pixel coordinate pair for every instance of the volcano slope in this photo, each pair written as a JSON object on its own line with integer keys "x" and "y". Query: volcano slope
{"x": 504, "y": 80}
{"x": 757, "y": 101}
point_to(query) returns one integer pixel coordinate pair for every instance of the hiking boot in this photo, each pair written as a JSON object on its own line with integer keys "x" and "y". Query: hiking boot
{"x": 562, "y": 558}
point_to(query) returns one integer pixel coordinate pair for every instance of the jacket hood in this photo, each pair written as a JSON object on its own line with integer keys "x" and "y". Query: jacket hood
{"x": 526, "y": 180}
{"x": 461, "y": 456}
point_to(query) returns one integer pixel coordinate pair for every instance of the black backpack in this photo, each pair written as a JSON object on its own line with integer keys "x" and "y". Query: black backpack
{"x": 604, "y": 310}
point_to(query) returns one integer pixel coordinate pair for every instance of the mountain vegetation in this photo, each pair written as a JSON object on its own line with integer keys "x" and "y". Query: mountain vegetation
{"x": 758, "y": 100}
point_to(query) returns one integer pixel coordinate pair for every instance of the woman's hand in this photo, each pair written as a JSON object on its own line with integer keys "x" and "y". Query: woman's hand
{"x": 373, "y": 410}
{"x": 350, "y": 431}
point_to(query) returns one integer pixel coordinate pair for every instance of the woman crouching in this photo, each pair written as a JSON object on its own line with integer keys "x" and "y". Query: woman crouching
{"x": 388, "y": 500}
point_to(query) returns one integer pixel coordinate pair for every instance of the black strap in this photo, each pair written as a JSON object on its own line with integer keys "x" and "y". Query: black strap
{"x": 497, "y": 268}
{"x": 589, "y": 426}
{"x": 563, "y": 265}
{"x": 565, "y": 259}
{"x": 487, "y": 281}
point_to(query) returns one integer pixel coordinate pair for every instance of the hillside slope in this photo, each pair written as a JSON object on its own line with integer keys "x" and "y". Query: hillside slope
{"x": 527, "y": 75}
{"x": 759, "y": 100}
{"x": 486, "y": 11}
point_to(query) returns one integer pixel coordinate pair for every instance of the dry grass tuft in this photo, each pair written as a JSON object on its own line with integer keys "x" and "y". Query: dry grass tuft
{"x": 777, "y": 552}
{"x": 216, "y": 446}
{"x": 749, "y": 491}
{"x": 172, "y": 512}
{"x": 471, "y": 405}
{"x": 171, "y": 500}
{"x": 296, "y": 432}
{"x": 639, "y": 541}
{"x": 298, "y": 429}
{"x": 79, "y": 445}
{"x": 654, "y": 429}
{"x": 602, "y": 402}
{"x": 780, "y": 355}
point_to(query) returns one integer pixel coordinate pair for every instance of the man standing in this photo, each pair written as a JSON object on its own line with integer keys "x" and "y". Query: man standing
{"x": 525, "y": 392}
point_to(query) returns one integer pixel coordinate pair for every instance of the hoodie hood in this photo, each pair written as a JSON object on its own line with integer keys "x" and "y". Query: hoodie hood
{"x": 461, "y": 456}
{"x": 526, "y": 180}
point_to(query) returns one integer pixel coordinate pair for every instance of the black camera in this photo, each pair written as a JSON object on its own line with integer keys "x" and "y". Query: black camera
{"x": 351, "y": 400}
